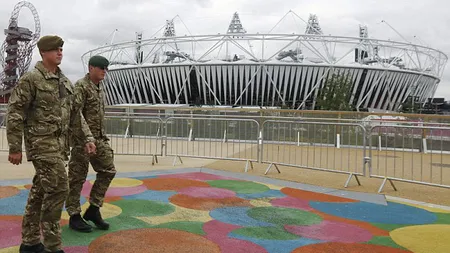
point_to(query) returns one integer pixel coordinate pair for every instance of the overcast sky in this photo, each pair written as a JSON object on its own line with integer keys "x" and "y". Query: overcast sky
{"x": 87, "y": 24}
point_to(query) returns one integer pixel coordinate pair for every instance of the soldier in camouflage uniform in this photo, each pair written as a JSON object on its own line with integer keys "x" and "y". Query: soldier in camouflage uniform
{"x": 90, "y": 90}
{"x": 45, "y": 109}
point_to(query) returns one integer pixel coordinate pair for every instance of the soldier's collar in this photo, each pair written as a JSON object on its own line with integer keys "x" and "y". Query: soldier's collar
{"x": 98, "y": 87}
{"x": 47, "y": 74}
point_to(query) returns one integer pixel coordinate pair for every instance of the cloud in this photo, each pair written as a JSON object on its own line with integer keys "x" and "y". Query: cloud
{"x": 87, "y": 24}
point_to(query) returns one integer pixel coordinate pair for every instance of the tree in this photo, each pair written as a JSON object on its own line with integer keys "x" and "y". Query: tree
{"x": 411, "y": 105}
{"x": 335, "y": 94}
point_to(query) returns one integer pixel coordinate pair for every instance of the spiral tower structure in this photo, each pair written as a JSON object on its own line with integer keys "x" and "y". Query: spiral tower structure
{"x": 17, "y": 50}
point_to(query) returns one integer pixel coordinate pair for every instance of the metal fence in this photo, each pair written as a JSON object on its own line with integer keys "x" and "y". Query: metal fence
{"x": 333, "y": 147}
{"x": 136, "y": 135}
{"x": 410, "y": 154}
{"x": 414, "y": 152}
{"x": 230, "y": 139}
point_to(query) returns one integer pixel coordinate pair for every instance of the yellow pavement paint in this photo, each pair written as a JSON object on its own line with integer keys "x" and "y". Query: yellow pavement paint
{"x": 271, "y": 186}
{"x": 263, "y": 202}
{"x": 14, "y": 249}
{"x": 108, "y": 211}
{"x": 180, "y": 214}
{"x": 20, "y": 187}
{"x": 424, "y": 238}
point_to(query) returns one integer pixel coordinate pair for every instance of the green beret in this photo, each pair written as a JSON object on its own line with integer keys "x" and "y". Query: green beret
{"x": 98, "y": 61}
{"x": 49, "y": 42}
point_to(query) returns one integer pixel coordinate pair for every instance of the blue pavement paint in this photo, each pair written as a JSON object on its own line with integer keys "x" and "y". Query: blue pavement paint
{"x": 15, "y": 182}
{"x": 277, "y": 246}
{"x": 393, "y": 213}
{"x": 14, "y": 205}
{"x": 267, "y": 194}
{"x": 162, "y": 196}
{"x": 237, "y": 216}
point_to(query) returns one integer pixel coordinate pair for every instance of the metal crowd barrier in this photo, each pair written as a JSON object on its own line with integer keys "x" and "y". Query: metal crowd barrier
{"x": 332, "y": 147}
{"x": 215, "y": 138}
{"x": 410, "y": 154}
{"x": 135, "y": 135}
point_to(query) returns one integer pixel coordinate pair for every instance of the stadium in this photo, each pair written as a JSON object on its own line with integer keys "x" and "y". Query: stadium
{"x": 276, "y": 70}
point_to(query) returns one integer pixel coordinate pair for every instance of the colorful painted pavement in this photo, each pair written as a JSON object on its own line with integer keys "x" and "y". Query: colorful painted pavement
{"x": 201, "y": 212}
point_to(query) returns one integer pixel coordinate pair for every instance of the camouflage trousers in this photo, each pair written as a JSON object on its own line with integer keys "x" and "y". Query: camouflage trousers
{"x": 45, "y": 204}
{"x": 102, "y": 163}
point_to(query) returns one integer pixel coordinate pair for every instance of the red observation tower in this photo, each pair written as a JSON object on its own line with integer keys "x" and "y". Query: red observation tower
{"x": 17, "y": 50}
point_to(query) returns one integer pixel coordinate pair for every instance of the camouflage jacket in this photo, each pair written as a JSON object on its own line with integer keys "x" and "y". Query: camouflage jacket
{"x": 45, "y": 109}
{"x": 92, "y": 98}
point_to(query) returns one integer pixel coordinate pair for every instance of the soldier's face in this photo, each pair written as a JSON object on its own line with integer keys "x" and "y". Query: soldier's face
{"x": 98, "y": 73}
{"x": 53, "y": 56}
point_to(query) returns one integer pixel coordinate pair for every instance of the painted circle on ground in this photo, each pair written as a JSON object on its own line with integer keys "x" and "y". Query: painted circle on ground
{"x": 339, "y": 247}
{"x": 172, "y": 184}
{"x": 10, "y": 233}
{"x": 237, "y": 186}
{"x": 152, "y": 240}
{"x": 207, "y": 204}
{"x": 284, "y": 216}
{"x": 123, "y": 182}
{"x": 424, "y": 238}
{"x": 8, "y": 191}
{"x": 107, "y": 211}
{"x": 392, "y": 213}
{"x": 332, "y": 231}
{"x": 207, "y": 192}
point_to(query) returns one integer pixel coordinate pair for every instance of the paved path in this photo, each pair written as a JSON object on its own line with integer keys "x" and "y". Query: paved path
{"x": 204, "y": 210}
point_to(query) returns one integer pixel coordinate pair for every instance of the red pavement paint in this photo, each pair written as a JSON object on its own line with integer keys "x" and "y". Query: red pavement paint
{"x": 10, "y": 233}
{"x": 217, "y": 232}
{"x": 332, "y": 231}
{"x": 207, "y": 192}
{"x": 292, "y": 203}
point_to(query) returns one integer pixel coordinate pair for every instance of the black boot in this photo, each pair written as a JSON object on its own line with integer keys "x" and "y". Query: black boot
{"x": 77, "y": 223}
{"x": 93, "y": 214}
{"x": 37, "y": 248}
{"x": 59, "y": 251}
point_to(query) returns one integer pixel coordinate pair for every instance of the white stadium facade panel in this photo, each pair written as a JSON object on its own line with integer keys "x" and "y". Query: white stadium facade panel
{"x": 294, "y": 86}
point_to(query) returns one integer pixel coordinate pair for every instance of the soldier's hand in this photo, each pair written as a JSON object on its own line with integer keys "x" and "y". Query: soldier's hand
{"x": 15, "y": 158}
{"x": 90, "y": 148}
